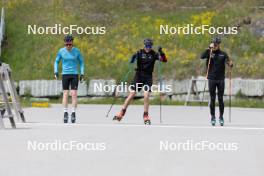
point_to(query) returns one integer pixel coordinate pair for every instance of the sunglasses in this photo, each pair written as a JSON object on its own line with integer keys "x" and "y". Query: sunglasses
{"x": 68, "y": 44}
{"x": 148, "y": 46}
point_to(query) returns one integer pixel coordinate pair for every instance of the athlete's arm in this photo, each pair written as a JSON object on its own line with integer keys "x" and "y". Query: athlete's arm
{"x": 56, "y": 64}
{"x": 81, "y": 62}
{"x": 134, "y": 57}
{"x": 205, "y": 54}
{"x": 229, "y": 62}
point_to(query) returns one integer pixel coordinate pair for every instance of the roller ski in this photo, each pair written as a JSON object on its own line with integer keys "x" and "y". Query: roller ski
{"x": 119, "y": 116}
{"x": 73, "y": 117}
{"x": 221, "y": 121}
{"x": 213, "y": 122}
{"x": 66, "y": 117}
{"x": 146, "y": 119}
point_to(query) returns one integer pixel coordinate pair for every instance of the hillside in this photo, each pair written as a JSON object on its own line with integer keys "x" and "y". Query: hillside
{"x": 127, "y": 24}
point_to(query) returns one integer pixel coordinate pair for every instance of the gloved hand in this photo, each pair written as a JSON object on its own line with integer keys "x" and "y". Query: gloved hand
{"x": 81, "y": 78}
{"x": 56, "y": 75}
{"x": 211, "y": 46}
{"x": 160, "y": 50}
{"x": 231, "y": 64}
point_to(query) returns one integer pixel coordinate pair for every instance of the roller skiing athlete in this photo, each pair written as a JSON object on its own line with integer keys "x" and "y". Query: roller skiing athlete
{"x": 71, "y": 59}
{"x": 145, "y": 59}
{"x": 216, "y": 59}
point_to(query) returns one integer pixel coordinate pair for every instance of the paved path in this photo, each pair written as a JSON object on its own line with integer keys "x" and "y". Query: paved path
{"x": 109, "y": 148}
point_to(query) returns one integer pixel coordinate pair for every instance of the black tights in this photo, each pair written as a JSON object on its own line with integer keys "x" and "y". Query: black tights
{"x": 220, "y": 85}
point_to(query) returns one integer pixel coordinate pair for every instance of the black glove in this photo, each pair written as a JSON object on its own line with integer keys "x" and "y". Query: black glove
{"x": 160, "y": 50}
{"x": 56, "y": 75}
{"x": 81, "y": 78}
{"x": 0, "y": 63}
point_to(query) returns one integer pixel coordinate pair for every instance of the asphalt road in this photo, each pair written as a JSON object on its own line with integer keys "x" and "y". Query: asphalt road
{"x": 183, "y": 144}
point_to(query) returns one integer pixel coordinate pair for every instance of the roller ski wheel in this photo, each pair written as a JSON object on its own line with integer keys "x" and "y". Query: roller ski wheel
{"x": 213, "y": 122}
{"x": 73, "y": 117}
{"x": 119, "y": 116}
{"x": 147, "y": 122}
{"x": 146, "y": 119}
{"x": 221, "y": 121}
{"x": 66, "y": 117}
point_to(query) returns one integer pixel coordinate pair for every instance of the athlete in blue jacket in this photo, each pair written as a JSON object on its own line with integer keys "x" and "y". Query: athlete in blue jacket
{"x": 71, "y": 60}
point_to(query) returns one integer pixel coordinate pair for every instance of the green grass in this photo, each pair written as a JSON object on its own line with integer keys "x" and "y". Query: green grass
{"x": 238, "y": 102}
{"x": 128, "y": 23}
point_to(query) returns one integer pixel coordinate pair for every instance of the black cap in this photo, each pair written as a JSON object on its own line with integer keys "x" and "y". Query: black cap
{"x": 148, "y": 42}
{"x": 68, "y": 38}
{"x": 216, "y": 40}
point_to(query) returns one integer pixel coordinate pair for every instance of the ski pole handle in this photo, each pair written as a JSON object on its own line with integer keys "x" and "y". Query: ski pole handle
{"x": 81, "y": 78}
{"x": 209, "y": 63}
{"x": 56, "y": 75}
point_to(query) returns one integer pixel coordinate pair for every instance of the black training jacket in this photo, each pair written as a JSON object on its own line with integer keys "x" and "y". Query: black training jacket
{"x": 146, "y": 61}
{"x": 217, "y": 65}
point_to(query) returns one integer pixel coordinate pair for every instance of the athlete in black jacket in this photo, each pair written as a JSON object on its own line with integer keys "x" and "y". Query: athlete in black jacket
{"x": 145, "y": 59}
{"x": 216, "y": 60}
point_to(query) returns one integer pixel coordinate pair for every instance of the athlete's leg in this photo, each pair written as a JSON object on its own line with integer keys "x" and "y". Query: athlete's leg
{"x": 128, "y": 99}
{"x": 212, "y": 90}
{"x": 147, "y": 89}
{"x": 146, "y": 101}
{"x": 220, "y": 94}
{"x": 135, "y": 87}
{"x": 74, "y": 87}
{"x": 65, "y": 99}
{"x": 74, "y": 100}
{"x": 119, "y": 116}
{"x": 131, "y": 95}
{"x": 66, "y": 87}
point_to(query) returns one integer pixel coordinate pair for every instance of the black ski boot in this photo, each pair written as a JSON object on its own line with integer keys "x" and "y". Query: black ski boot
{"x": 73, "y": 117}
{"x": 221, "y": 121}
{"x": 2, "y": 112}
{"x": 119, "y": 116}
{"x": 213, "y": 121}
{"x": 66, "y": 117}
{"x": 146, "y": 118}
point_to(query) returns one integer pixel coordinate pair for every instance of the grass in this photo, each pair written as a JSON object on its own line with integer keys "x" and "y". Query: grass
{"x": 238, "y": 102}
{"x": 128, "y": 23}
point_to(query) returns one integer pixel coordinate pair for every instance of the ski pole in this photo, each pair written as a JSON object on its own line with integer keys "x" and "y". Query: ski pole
{"x": 160, "y": 80}
{"x": 207, "y": 72}
{"x": 114, "y": 93}
{"x": 230, "y": 91}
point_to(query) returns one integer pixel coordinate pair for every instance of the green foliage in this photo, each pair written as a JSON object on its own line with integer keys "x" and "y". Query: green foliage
{"x": 128, "y": 23}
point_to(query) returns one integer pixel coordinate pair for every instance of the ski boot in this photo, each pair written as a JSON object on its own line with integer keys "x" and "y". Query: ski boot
{"x": 221, "y": 121}
{"x": 2, "y": 112}
{"x": 213, "y": 121}
{"x": 120, "y": 115}
{"x": 73, "y": 117}
{"x": 146, "y": 118}
{"x": 65, "y": 119}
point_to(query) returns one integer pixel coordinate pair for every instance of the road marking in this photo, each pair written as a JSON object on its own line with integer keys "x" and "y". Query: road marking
{"x": 138, "y": 125}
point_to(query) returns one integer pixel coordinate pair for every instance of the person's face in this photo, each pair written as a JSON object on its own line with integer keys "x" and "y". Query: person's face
{"x": 148, "y": 48}
{"x": 69, "y": 45}
{"x": 216, "y": 46}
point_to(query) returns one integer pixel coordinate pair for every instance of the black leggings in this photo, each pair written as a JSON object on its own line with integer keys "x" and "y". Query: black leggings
{"x": 220, "y": 85}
